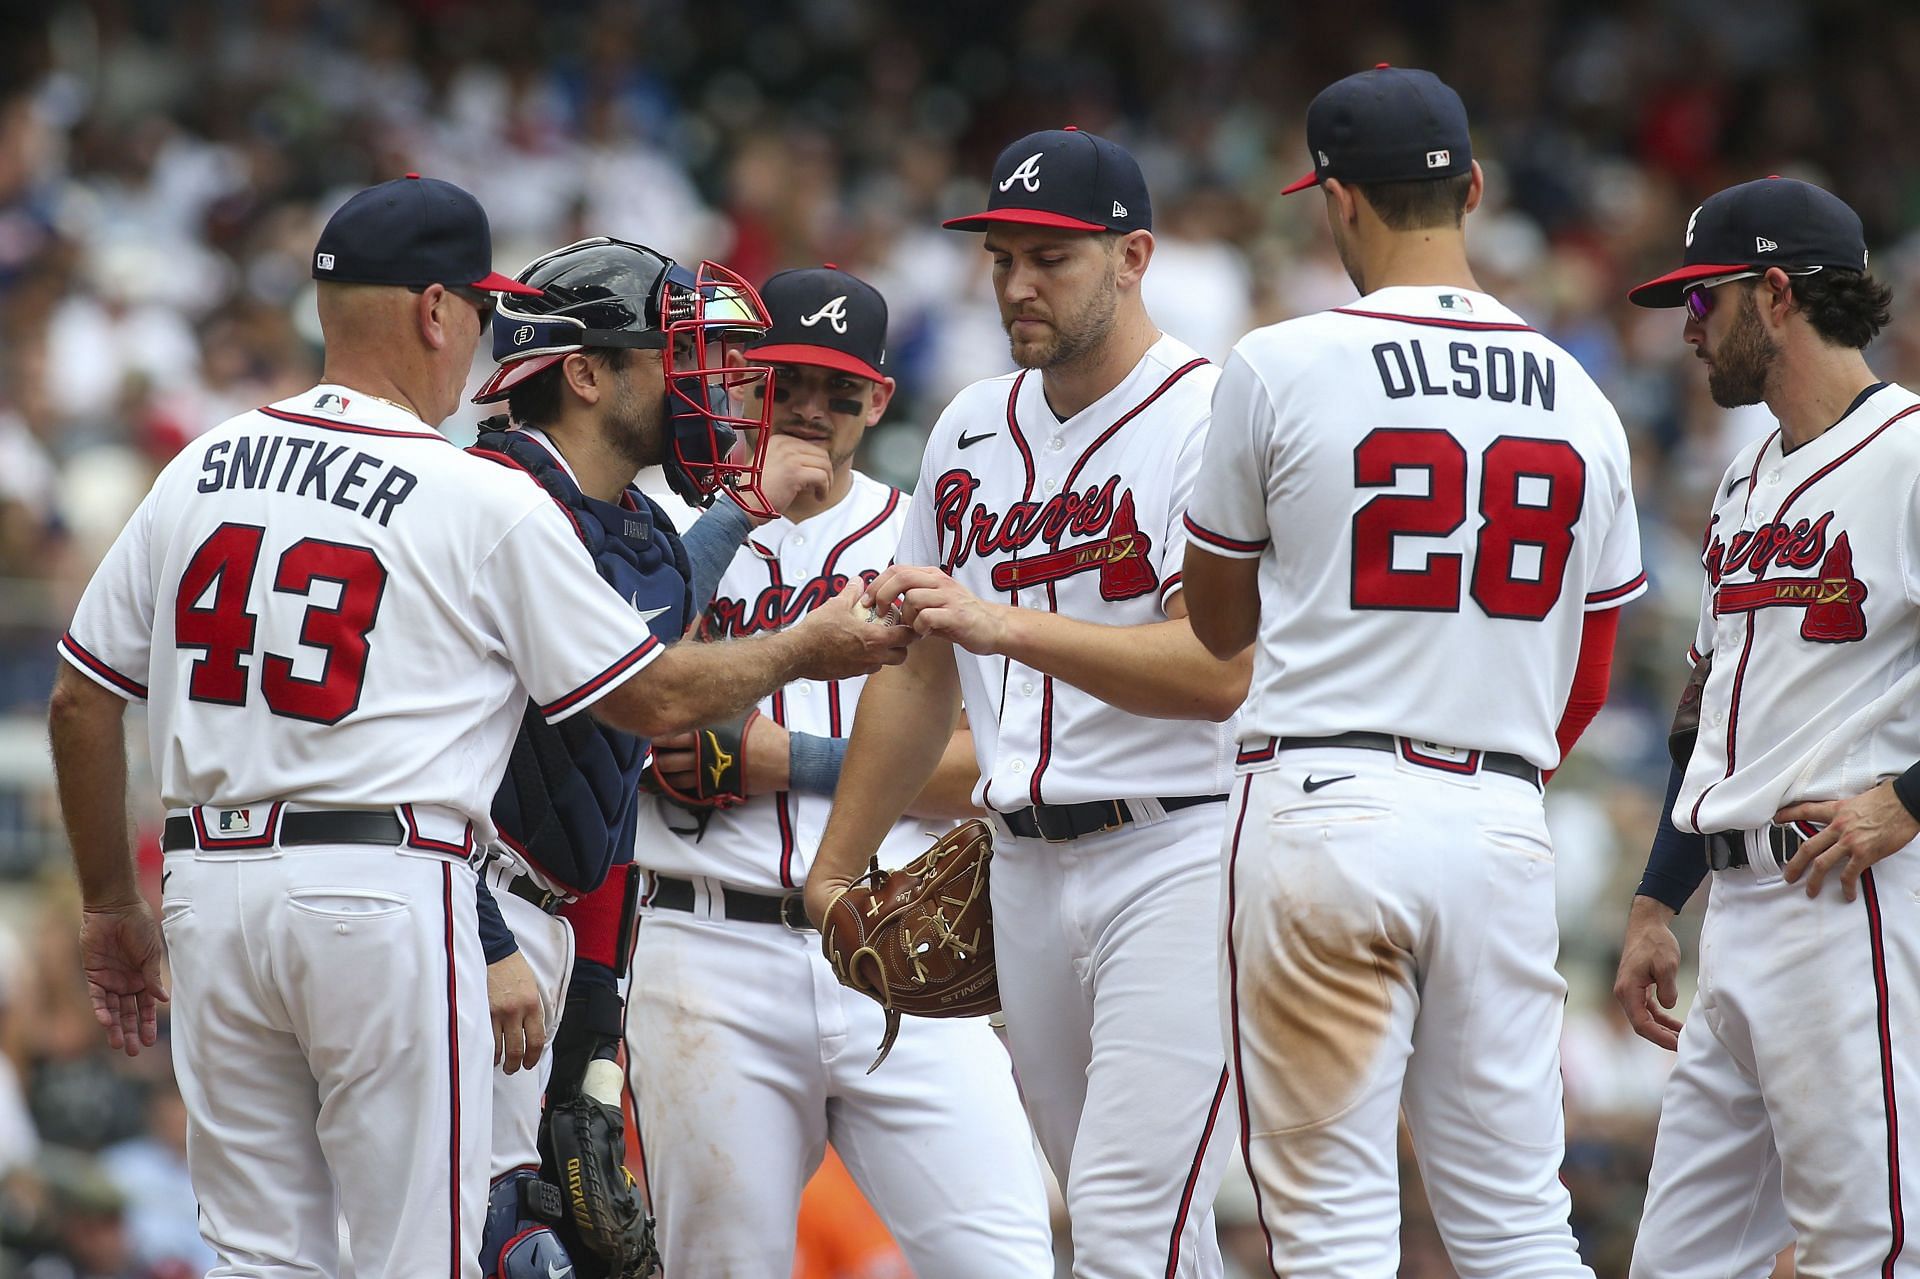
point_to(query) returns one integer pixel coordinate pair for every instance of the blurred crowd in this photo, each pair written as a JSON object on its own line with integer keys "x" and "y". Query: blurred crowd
{"x": 165, "y": 168}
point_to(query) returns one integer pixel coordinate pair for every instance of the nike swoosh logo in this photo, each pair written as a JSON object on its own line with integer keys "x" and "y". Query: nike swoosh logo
{"x": 968, "y": 441}
{"x": 559, "y": 1272}
{"x": 647, "y": 614}
{"x": 165, "y": 875}
{"x": 1313, "y": 784}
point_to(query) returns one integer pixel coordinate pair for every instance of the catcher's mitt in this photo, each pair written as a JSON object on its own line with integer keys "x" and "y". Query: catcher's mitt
{"x": 920, "y": 939}
{"x": 720, "y": 768}
{"x": 1686, "y": 716}
{"x": 583, "y": 1149}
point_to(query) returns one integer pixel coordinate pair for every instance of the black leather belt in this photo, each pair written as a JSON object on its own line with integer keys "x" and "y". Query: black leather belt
{"x": 1490, "y": 761}
{"x": 332, "y": 826}
{"x": 1727, "y": 849}
{"x": 1057, "y": 823}
{"x": 742, "y": 906}
{"x": 523, "y": 887}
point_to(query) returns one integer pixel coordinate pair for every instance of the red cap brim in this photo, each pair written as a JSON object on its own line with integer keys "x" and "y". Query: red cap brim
{"x": 1671, "y": 288}
{"x": 1300, "y": 184}
{"x": 822, "y": 356}
{"x": 1022, "y": 217}
{"x": 507, "y": 376}
{"x": 494, "y": 282}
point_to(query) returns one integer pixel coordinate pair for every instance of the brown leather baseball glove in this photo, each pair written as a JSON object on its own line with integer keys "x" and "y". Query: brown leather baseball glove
{"x": 920, "y": 939}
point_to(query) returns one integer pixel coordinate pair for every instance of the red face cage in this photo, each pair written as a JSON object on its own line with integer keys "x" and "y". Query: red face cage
{"x": 719, "y": 403}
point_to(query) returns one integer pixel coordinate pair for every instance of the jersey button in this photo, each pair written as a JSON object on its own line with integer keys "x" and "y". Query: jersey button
{"x": 1056, "y": 444}
{"x": 1051, "y": 484}
{"x": 1773, "y": 477}
{"x": 1017, "y": 766}
{"x": 1027, "y": 688}
{"x": 1719, "y": 718}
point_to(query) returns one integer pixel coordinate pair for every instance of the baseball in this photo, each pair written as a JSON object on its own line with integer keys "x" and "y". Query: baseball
{"x": 889, "y": 618}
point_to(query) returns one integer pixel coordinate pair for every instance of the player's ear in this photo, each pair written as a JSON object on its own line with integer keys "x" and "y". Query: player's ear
{"x": 882, "y": 396}
{"x": 430, "y": 315}
{"x": 1343, "y": 204}
{"x": 1132, "y": 254}
{"x": 582, "y": 374}
{"x": 1776, "y": 300}
{"x": 1476, "y": 189}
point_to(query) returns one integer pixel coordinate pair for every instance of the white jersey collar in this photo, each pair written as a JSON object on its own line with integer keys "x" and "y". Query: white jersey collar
{"x": 1163, "y": 357}
{"x": 1436, "y": 302}
{"x": 329, "y": 401}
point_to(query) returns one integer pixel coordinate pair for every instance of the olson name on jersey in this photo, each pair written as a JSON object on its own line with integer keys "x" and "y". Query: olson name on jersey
{"x": 1468, "y": 371}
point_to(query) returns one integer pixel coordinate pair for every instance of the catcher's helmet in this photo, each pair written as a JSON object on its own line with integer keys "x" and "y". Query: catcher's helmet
{"x": 608, "y": 293}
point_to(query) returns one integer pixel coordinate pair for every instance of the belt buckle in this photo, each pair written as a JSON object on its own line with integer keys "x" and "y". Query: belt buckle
{"x": 793, "y": 907}
{"x": 1047, "y": 829}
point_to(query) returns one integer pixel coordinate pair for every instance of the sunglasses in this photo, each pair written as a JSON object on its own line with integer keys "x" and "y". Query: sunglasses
{"x": 479, "y": 299}
{"x": 1699, "y": 296}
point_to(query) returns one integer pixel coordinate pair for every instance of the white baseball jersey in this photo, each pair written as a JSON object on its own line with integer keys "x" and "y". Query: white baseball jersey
{"x": 1079, "y": 517}
{"x": 1436, "y": 493}
{"x": 784, "y": 572}
{"x": 1813, "y": 568}
{"x": 325, "y": 602}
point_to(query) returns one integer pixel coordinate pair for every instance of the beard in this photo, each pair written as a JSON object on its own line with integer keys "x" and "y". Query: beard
{"x": 1069, "y": 337}
{"x": 634, "y": 424}
{"x": 1742, "y": 359}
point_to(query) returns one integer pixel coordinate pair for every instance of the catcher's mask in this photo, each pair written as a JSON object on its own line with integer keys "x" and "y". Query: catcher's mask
{"x": 608, "y": 293}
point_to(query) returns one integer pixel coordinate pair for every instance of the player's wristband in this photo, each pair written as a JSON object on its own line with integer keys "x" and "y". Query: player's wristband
{"x": 813, "y": 763}
{"x": 1677, "y": 862}
{"x": 1906, "y": 789}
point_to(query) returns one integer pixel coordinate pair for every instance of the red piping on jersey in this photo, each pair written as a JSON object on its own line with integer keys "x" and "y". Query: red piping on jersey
{"x": 1746, "y": 649}
{"x": 1221, "y": 540}
{"x": 1896, "y": 1210}
{"x": 1053, "y": 599}
{"x": 352, "y": 428}
{"x": 506, "y": 459}
{"x": 125, "y": 684}
{"x": 833, "y": 556}
{"x": 778, "y": 706}
{"x": 1026, "y": 495}
{"x": 416, "y": 840}
{"x": 1233, "y": 998}
{"x": 1474, "y": 326}
{"x": 1193, "y": 1176}
{"x": 601, "y": 680}
{"x": 454, "y": 1175}
{"x": 1604, "y": 597}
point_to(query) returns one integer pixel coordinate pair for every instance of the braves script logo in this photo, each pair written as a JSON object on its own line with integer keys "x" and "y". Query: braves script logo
{"x": 834, "y": 313}
{"x": 968, "y": 528}
{"x": 776, "y": 607}
{"x": 1831, "y": 598}
{"x": 1027, "y": 175}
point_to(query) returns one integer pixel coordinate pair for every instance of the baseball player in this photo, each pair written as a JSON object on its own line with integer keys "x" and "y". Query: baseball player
{"x": 739, "y": 1039}
{"x": 1039, "y": 564}
{"x": 1782, "y": 1119}
{"x": 1421, "y": 506}
{"x": 606, "y": 371}
{"x": 335, "y": 617}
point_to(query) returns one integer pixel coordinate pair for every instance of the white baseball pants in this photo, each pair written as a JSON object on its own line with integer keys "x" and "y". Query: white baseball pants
{"x": 1391, "y": 941}
{"x": 331, "y": 1030}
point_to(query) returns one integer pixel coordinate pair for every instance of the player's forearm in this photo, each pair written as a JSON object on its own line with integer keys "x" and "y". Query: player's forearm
{"x": 948, "y": 794}
{"x": 901, "y": 733}
{"x": 86, "y": 726}
{"x": 1158, "y": 669}
{"x": 1223, "y": 600}
{"x": 694, "y": 684}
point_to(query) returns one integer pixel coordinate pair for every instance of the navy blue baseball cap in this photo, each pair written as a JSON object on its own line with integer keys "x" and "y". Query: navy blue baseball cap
{"x": 412, "y": 231}
{"x": 825, "y": 316}
{"x": 1065, "y": 178}
{"x": 1768, "y": 222}
{"x": 1390, "y": 124}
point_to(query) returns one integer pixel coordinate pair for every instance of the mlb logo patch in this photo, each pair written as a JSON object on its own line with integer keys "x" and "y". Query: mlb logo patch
{"x": 236, "y": 821}
{"x": 1454, "y": 302}
{"x": 331, "y": 403}
{"x": 1439, "y": 159}
{"x": 323, "y": 261}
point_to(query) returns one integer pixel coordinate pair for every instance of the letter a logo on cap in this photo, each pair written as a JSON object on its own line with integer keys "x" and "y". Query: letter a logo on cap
{"x": 1027, "y": 175}
{"x": 834, "y": 313}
